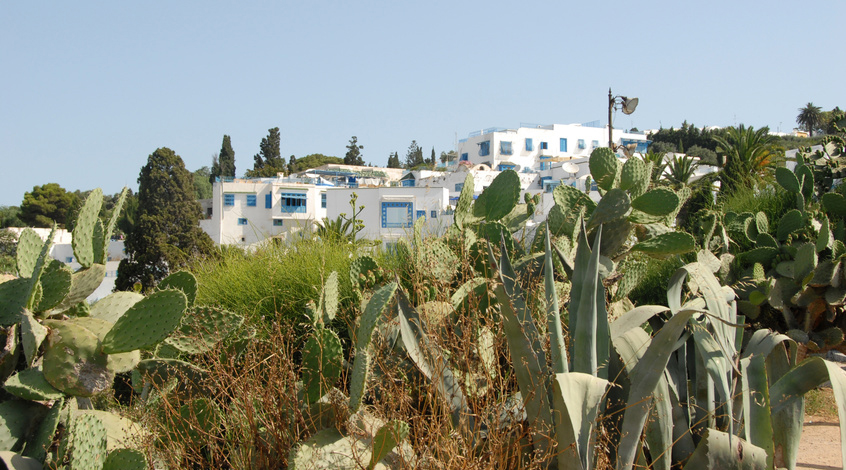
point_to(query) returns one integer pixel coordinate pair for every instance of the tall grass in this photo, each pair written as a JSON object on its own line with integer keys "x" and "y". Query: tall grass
{"x": 274, "y": 283}
{"x": 771, "y": 199}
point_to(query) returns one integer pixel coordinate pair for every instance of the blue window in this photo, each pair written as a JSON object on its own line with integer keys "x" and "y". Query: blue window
{"x": 228, "y": 199}
{"x": 545, "y": 165}
{"x": 562, "y": 144}
{"x": 484, "y": 148}
{"x": 544, "y": 146}
{"x": 504, "y": 167}
{"x": 594, "y": 143}
{"x": 396, "y": 214}
{"x": 242, "y": 221}
{"x": 323, "y": 200}
{"x": 268, "y": 201}
{"x": 278, "y": 222}
{"x": 409, "y": 183}
{"x": 529, "y": 146}
{"x": 293, "y": 202}
{"x": 69, "y": 259}
{"x": 251, "y": 200}
{"x": 505, "y": 148}
{"x": 459, "y": 187}
{"x": 464, "y": 157}
{"x": 544, "y": 179}
{"x": 420, "y": 214}
{"x": 581, "y": 144}
{"x": 433, "y": 214}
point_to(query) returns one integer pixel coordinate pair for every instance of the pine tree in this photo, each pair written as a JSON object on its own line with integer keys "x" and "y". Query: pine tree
{"x": 393, "y": 160}
{"x": 414, "y": 156}
{"x": 353, "y": 155}
{"x": 166, "y": 234}
{"x": 432, "y": 159}
{"x": 268, "y": 162}
{"x": 47, "y": 204}
{"x": 223, "y": 163}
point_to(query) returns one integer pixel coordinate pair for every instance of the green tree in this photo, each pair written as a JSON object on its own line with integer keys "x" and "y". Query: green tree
{"x": 705, "y": 156}
{"x": 10, "y": 216}
{"x": 432, "y": 159}
{"x": 393, "y": 160}
{"x": 748, "y": 154}
{"x": 447, "y": 157}
{"x": 166, "y": 234}
{"x": 46, "y": 204}
{"x": 353, "y": 155}
{"x": 680, "y": 170}
{"x": 202, "y": 184}
{"x": 414, "y": 156}
{"x": 268, "y": 162}
{"x": 315, "y": 160}
{"x": 809, "y": 118}
{"x": 223, "y": 164}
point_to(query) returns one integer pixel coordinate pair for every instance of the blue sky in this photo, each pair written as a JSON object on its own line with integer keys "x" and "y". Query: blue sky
{"x": 89, "y": 89}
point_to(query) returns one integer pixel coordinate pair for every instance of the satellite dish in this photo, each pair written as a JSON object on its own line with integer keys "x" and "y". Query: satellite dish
{"x": 570, "y": 167}
{"x": 629, "y": 105}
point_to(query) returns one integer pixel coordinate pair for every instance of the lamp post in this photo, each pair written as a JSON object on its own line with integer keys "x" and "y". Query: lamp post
{"x": 628, "y": 106}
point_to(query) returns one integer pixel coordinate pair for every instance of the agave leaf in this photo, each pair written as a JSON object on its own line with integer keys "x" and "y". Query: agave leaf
{"x": 634, "y": 318}
{"x": 756, "y": 404}
{"x": 722, "y": 450}
{"x": 557, "y": 348}
{"x": 577, "y": 397}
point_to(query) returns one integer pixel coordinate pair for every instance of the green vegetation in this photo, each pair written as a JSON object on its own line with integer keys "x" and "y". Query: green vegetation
{"x": 165, "y": 236}
{"x": 353, "y": 155}
{"x": 223, "y": 164}
{"x": 268, "y": 162}
{"x": 47, "y": 204}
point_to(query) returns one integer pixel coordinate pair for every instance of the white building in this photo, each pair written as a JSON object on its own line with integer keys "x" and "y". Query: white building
{"x": 535, "y": 147}
{"x": 248, "y": 210}
{"x": 390, "y": 212}
{"x": 352, "y": 176}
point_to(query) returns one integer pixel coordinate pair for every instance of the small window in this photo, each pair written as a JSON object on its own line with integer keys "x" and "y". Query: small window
{"x": 433, "y": 214}
{"x": 594, "y": 143}
{"x": 396, "y": 214}
{"x": 323, "y": 200}
{"x": 251, "y": 200}
{"x": 242, "y": 221}
{"x": 409, "y": 183}
{"x": 562, "y": 145}
{"x": 69, "y": 259}
{"x": 544, "y": 146}
{"x": 268, "y": 201}
{"x": 505, "y": 166}
{"x": 459, "y": 187}
{"x": 464, "y": 157}
{"x": 228, "y": 199}
{"x": 420, "y": 214}
{"x": 529, "y": 145}
{"x": 505, "y": 148}
{"x": 581, "y": 144}
{"x": 278, "y": 222}
{"x": 484, "y": 148}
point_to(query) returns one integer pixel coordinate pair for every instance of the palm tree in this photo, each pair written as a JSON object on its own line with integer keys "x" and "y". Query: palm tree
{"x": 810, "y": 118}
{"x": 680, "y": 170}
{"x": 748, "y": 154}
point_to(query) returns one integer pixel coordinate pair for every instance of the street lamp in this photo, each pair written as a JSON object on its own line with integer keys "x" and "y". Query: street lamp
{"x": 628, "y": 106}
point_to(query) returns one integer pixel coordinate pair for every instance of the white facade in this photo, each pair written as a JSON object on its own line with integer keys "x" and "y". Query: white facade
{"x": 390, "y": 212}
{"x": 249, "y": 210}
{"x": 529, "y": 148}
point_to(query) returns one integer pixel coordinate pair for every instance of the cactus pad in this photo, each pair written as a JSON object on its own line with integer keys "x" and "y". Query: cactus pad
{"x": 114, "y": 305}
{"x": 17, "y": 419}
{"x": 56, "y": 282}
{"x": 763, "y": 254}
{"x": 789, "y": 223}
{"x": 498, "y": 199}
{"x": 361, "y": 266}
{"x": 32, "y": 335}
{"x": 98, "y": 243}
{"x": 202, "y": 328}
{"x": 634, "y": 177}
{"x": 184, "y": 281}
{"x": 358, "y": 378}
{"x": 147, "y": 322}
{"x": 125, "y": 459}
{"x": 437, "y": 261}
{"x": 673, "y": 243}
{"x": 118, "y": 363}
{"x": 89, "y": 443}
{"x": 322, "y": 360}
{"x": 604, "y": 167}
{"x": 765, "y": 239}
{"x": 569, "y": 199}
{"x": 73, "y": 362}
{"x": 28, "y": 249}
{"x": 43, "y": 439}
{"x": 834, "y": 204}
{"x": 190, "y": 378}
{"x": 83, "y": 231}
{"x": 806, "y": 178}
{"x": 373, "y": 313}
{"x": 30, "y": 384}
{"x": 613, "y": 206}
{"x": 787, "y": 179}
{"x": 805, "y": 263}
{"x": 465, "y": 201}
{"x": 331, "y": 296}
{"x": 659, "y": 201}
{"x": 83, "y": 283}
{"x": 386, "y": 438}
{"x": 327, "y": 448}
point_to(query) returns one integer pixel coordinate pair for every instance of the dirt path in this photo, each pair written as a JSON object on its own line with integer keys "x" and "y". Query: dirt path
{"x": 819, "y": 447}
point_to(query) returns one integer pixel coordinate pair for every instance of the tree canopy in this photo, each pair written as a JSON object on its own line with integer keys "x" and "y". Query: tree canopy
{"x": 202, "y": 183}
{"x": 268, "y": 162}
{"x": 46, "y": 204}
{"x": 313, "y": 160}
{"x": 393, "y": 160}
{"x": 166, "y": 234}
{"x": 414, "y": 156}
{"x": 748, "y": 155}
{"x": 809, "y": 118}
{"x": 223, "y": 164}
{"x": 353, "y": 155}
